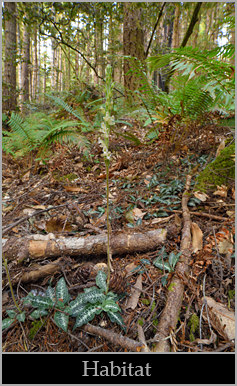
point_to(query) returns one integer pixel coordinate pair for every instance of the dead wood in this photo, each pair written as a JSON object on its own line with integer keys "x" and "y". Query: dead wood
{"x": 41, "y": 247}
{"x": 40, "y": 272}
{"x": 202, "y": 214}
{"x": 114, "y": 338}
{"x": 169, "y": 317}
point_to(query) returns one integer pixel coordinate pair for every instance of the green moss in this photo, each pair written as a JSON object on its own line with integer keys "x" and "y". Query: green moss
{"x": 67, "y": 177}
{"x": 194, "y": 325}
{"x": 217, "y": 172}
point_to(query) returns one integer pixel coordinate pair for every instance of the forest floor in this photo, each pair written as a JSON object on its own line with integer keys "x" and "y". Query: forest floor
{"x": 146, "y": 186}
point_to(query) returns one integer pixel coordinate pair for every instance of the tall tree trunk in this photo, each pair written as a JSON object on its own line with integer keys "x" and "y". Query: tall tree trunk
{"x": 9, "y": 102}
{"x": 189, "y": 31}
{"x": 26, "y": 65}
{"x": 38, "y": 71}
{"x": 175, "y": 40}
{"x": 133, "y": 43}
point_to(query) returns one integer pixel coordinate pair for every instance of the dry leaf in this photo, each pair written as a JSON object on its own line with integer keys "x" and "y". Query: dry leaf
{"x": 135, "y": 294}
{"x": 225, "y": 247}
{"x": 201, "y": 196}
{"x": 26, "y": 177}
{"x": 220, "y": 147}
{"x": 134, "y": 214}
{"x": 75, "y": 189}
{"x": 177, "y": 221}
{"x": 222, "y": 319}
{"x": 197, "y": 237}
{"x": 230, "y": 213}
{"x": 130, "y": 267}
{"x": 221, "y": 191}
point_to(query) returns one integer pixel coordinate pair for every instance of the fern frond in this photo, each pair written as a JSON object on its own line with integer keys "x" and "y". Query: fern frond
{"x": 61, "y": 103}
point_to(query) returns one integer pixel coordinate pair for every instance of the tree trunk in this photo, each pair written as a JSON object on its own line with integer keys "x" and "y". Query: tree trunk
{"x": 175, "y": 41}
{"x": 9, "y": 102}
{"x": 26, "y": 65}
{"x": 133, "y": 43}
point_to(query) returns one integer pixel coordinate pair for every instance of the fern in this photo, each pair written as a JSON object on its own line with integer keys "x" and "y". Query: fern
{"x": 85, "y": 126}
{"x": 39, "y": 132}
{"x": 205, "y": 82}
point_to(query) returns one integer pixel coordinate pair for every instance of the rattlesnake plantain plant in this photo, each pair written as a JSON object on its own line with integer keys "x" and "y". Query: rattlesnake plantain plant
{"x": 93, "y": 301}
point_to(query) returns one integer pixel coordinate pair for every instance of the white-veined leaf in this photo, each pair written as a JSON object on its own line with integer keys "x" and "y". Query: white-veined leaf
{"x": 75, "y": 307}
{"x": 173, "y": 258}
{"x": 50, "y": 292}
{"x": 11, "y": 313}
{"x": 41, "y": 302}
{"x": 117, "y": 318}
{"x": 21, "y": 317}
{"x": 61, "y": 320}
{"x": 6, "y": 323}
{"x": 86, "y": 316}
{"x": 95, "y": 296}
{"x": 36, "y": 314}
{"x": 161, "y": 264}
{"x": 110, "y": 305}
{"x": 62, "y": 291}
{"x": 101, "y": 280}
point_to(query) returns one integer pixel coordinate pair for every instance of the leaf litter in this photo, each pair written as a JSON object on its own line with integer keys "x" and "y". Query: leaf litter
{"x": 66, "y": 197}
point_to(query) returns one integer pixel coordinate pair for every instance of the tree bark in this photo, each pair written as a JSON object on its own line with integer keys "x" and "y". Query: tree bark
{"x": 133, "y": 43}
{"x": 26, "y": 65}
{"x": 9, "y": 102}
{"x": 41, "y": 247}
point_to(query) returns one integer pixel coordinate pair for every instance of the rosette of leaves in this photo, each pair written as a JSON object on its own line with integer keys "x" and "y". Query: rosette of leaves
{"x": 91, "y": 302}
{"x": 95, "y": 300}
{"x": 56, "y": 299}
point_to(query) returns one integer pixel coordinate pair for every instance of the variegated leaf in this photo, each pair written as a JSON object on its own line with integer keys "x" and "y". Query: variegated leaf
{"x": 101, "y": 280}
{"x": 61, "y": 320}
{"x": 86, "y": 316}
{"x": 62, "y": 293}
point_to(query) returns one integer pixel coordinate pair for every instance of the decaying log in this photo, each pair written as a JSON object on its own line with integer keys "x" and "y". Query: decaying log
{"x": 40, "y": 247}
{"x": 169, "y": 317}
{"x": 114, "y": 338}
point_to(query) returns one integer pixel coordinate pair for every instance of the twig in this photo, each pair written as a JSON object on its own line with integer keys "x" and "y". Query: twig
{"x": 113, "y": 337}
{"x": 213, "y": 216}
{"x": 17, "y": 222}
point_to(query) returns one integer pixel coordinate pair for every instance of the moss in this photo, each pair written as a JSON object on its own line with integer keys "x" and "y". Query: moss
{"x": 218, "y": 172}
{"x": 67, "y": 177}
{"x": 194, "y": 325}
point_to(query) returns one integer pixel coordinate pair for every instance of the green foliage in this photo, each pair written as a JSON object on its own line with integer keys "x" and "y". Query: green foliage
{"x": 39, "y": 132}
{"x": 166, "y": 262}
{"x": 91, "y": 302}
{"x": 194, "y": 325}
{"x": 205, "y": 81}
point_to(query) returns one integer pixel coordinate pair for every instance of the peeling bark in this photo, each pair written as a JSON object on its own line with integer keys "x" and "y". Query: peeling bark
{"x": 41, "y": 247}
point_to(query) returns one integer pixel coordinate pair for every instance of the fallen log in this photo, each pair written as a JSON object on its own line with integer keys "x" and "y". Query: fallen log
{"x": 169, "y": 317}
{"x": 41, "y": 247}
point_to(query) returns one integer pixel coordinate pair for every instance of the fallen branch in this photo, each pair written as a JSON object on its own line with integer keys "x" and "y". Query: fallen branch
{"x": 41, "y": 247}
{"x": 169, "y": 317}
{"x": 114, "y": 338}
{"x": 34, "y": 275}
{"x": 212, "y": 216}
